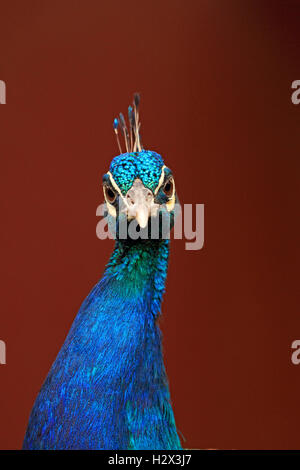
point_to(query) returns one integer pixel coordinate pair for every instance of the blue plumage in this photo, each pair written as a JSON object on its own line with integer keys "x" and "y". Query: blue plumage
{"x": 127, "y": 167}
{"x": 108, "y": 388}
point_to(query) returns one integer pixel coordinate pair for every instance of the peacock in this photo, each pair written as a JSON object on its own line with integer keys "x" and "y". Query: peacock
{"x": 108, "y": 387}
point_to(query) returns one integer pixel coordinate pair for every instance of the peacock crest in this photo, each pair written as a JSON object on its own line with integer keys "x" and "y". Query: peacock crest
{"x": 132, "y": 137}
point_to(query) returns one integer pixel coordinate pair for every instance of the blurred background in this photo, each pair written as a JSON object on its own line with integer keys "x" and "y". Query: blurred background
{"x": 215, "y": 81}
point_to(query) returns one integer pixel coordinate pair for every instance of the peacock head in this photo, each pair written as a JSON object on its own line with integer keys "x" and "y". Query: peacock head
{"x": 139, "y": 190}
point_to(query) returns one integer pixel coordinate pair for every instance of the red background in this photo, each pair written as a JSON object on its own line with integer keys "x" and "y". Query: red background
{"x": 215, "y": 79}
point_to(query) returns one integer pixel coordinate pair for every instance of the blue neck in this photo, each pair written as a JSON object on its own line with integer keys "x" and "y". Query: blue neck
{"x": 108, "y": 387}
{"x": 140, "y": 269}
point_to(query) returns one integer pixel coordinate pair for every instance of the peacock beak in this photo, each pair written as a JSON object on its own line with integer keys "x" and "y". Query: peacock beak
{"x": 142, "y": 216}
{"x": 139, "y": 203}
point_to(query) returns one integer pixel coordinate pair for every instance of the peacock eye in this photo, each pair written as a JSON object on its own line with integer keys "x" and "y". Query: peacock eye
{"x": 110, "y": 195}
{"x": 168, "y": 188}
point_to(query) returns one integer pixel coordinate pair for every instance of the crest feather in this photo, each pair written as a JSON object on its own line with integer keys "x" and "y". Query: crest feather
{"x": 132, "y": 138}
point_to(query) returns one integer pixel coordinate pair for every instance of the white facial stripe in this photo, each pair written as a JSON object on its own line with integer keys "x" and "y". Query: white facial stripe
{"x": 114, "y": 184}
{"x": 171, "y": 203}
{"x": 161, "y": 179}
{"x": 111, "y": 209}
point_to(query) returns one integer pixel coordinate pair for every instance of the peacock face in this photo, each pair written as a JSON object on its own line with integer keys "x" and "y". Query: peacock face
{"x": 139, "y": 187}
